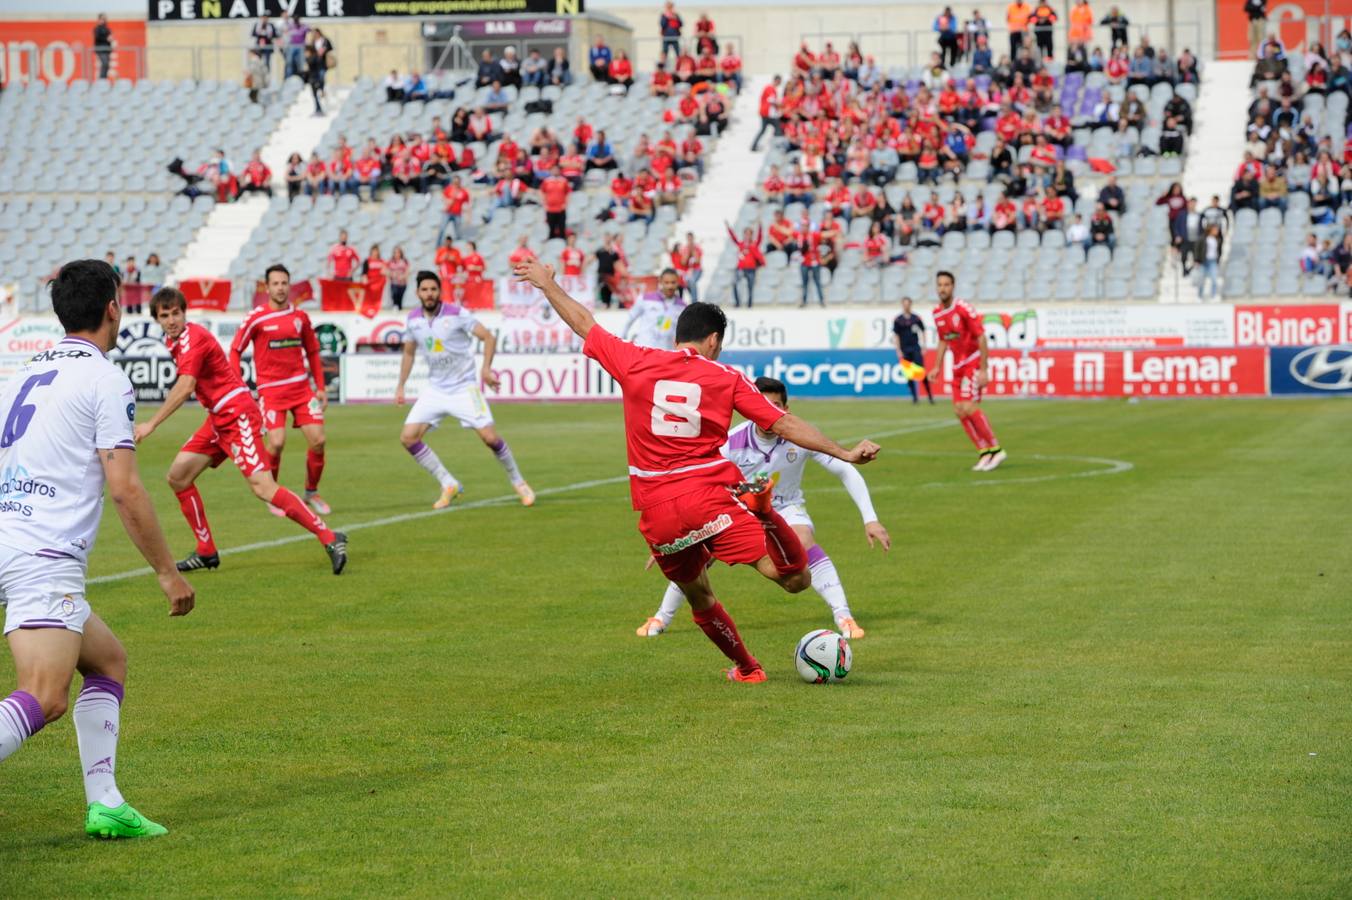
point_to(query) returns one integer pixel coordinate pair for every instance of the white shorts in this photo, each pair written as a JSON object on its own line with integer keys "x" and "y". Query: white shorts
{"x": 37, "y": 592}
{"x": 466, "y": 404}
{"x": 795, "y": 514}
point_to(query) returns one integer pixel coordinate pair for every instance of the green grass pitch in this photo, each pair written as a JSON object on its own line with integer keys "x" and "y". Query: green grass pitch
{"x": 1131, "y": 683}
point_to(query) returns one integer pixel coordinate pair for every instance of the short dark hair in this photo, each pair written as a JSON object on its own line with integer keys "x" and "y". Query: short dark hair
{"x": 276, "y": 267}
{"x": 81, "y": 292}
{"x": 167, "y": 296}
{"x": 425, "y": 275}
{"x": 942, "y": 272}
{"x": 768, "y": 385}
{"x": 669, "y": 271}
{"x": 699, "y": 320}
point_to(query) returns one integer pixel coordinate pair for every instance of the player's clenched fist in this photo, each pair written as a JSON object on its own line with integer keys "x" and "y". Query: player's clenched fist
{"x": 863, "y": 452}
{"x": 181, "y": 595}
{"x": 533, "y": 272}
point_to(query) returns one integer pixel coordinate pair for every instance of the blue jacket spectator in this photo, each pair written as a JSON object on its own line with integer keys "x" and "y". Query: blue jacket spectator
{"x": 599, "y": 58}
{"x": 489, "y": 71}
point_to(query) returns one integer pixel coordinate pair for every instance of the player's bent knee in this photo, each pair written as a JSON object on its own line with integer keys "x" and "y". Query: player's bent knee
{"x": 409, "y": 438}
{"x": 317, "y": 447}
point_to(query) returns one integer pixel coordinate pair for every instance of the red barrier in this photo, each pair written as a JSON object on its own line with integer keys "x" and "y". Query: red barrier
{"x": 206, "y": 293}
{"x": 136, "y": 294}
{"x": 1236, "y": 371}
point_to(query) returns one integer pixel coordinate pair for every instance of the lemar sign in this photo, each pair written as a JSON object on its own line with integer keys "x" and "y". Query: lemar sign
{"x": 194, "y": 10}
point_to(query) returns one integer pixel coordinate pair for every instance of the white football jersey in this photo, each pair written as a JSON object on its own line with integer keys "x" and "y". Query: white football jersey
{"x": 783, "y": 462}
{"x": 59, "y": 410}
{"x": 656, "y": 321}
{"x": 447, "y": 341}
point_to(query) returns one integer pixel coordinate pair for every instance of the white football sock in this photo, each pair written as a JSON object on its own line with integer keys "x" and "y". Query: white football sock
{"x": 428, "y": 460}
{"x": 97, "y": 715}
{"x": 671, "y": 603}
{"x": 826, "y": 582}
{"x": 504, "y": 455}
{"x": 20, "y": 718}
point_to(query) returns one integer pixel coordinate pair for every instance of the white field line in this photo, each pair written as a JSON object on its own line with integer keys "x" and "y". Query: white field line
{"x": 473, "y": 504}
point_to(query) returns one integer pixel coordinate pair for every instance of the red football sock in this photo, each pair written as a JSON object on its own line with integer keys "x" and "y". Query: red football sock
{"x": 277, "y": 465}
{"x": 781, "y": 541}
{"x": 983, "y": 427}
{"x": 299, "y": 513}
{"x": 190, "y": 503}
{"x": 969, "y": 426}
{"x": 314, "y": 468}
{"x": 718, "y": 625}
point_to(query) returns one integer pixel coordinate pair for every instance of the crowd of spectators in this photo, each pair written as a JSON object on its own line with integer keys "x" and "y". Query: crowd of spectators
{"x": 850, "y": 128}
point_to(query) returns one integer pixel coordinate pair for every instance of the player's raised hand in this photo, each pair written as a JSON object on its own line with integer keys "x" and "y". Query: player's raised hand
{"x": 863, "y": 452}
{"x": 142, "y": 431}
{"x": 875, "y": 531}
{"x": 533, "y": 272}
{"x": 181, "y": 595}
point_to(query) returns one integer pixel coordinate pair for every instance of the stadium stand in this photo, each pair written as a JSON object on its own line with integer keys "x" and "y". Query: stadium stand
{"x": 87, "y": 165}
{"x": 413, "y": 218}
{"x": 934, "y": 136}
{"x": 1292, "y": 195}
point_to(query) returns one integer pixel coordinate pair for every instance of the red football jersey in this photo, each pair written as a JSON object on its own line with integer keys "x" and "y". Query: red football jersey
{"x": 961, "y": 327}
{"x": 677, "y": 409}
{"x": 199, "y": 354}
{"x": 344, "y": 259}
{"x": 286, "y": 350}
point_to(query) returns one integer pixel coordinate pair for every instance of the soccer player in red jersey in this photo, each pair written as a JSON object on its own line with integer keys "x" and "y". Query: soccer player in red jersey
{"x": 960, "y": 330}
{"x": 231, "y": 431}
{"x": 286, "y": 358}
{"x": 693, "y": 507}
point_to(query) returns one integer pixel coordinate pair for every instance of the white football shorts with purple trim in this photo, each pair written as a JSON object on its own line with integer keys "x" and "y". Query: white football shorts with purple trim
{"x": 42, "y": 592}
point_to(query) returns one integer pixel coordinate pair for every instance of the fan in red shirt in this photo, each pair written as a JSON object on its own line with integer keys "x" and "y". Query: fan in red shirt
{"x": 621, "y": 69}
{"x": 448, "y": 261}
{"x": 554, "y": 192}
{"x": 257, "y": 176}
{"x": 523, "y": 253}
{"x": 286, "y": 358}
{"x": 572, "y": 257}
{"x": 962, "y": 331}
{"x": 342, "y": 259}
{"x": 730, "y": 68}
{"x": 473, "y": 264}
{"x": 661, "y": 83}
{"x": 693, "y": 505}
{"x": 231, "y": 431}
{"x": 454, "y": 198}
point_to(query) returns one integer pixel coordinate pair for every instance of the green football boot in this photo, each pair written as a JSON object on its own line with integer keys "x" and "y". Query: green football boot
{"x": 122, "y": 822}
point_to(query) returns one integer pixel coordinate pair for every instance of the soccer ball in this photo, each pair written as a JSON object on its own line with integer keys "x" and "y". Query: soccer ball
{"x": 823, "y": 656}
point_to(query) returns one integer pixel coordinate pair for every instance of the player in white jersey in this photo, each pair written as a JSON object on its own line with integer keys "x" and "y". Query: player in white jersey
{"x": 445, "y": 333}
{"x": 67, "y": 433}
{"x": 764, "y": 453}
{"x": 652, "y": 320}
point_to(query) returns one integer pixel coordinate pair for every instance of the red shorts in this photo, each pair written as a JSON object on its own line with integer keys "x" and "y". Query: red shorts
{"x": 964, "y": 384}
{"x": 235, "y": 433}
{"x": 686, "y": 531}
{"x": 298, "y": 399}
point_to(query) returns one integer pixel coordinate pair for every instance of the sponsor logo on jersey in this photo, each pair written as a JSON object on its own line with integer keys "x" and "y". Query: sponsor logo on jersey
{"x": 284, "y": 343}
{"x": 53, "y": 355}
{"x": 131, "y": 412}
{"x": 702, "y": 533}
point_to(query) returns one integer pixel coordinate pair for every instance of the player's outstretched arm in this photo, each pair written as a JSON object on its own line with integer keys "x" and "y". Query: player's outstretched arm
{"x": 809, "y": 437}
{"x": 138, "y": 518}
{"x": 541, "y": 276}
{"x": 178, "y": 395}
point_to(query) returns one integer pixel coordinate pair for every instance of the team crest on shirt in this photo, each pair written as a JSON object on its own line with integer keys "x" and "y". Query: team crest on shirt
{"x": 296, "y": 322}
{"x": 131, "y": 412}
{"x": 791, "y": 454}
{"x": 68, "y": 605}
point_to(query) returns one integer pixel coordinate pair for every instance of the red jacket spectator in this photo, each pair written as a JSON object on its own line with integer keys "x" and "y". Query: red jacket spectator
{"x": 749, "y": 255}
{"x": 257, "y": 174}
{"x": 621, "y": 70}
{"x": 554, "y": 191}
{"x": 455, "y": 197}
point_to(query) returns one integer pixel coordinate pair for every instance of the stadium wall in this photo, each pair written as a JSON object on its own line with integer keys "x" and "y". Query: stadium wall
{"x": 1054, "y": 351}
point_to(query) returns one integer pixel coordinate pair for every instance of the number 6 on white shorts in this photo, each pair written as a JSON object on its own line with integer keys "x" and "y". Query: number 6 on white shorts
{"x": 676, "y": 409}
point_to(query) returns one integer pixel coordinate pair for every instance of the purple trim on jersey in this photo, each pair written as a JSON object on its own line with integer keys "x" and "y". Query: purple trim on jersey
{"x": 49, "y": 553}
{"x": 80, "y": 340}
{"x": 125, "y": 445}
{"x": 29, "y": 708}
{"x": 99, "y": 684}
{"x": 741, "y": 439}
{"x": 815, "y": 554}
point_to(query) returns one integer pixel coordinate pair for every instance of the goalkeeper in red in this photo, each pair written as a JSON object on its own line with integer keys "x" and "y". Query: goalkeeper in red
{"x": 692, "y": 503}
{"x": 961, "y": 330}
{"x": 286, "y": 361}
